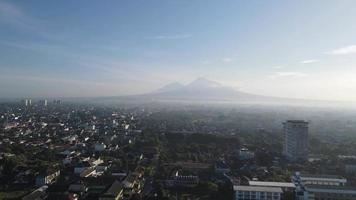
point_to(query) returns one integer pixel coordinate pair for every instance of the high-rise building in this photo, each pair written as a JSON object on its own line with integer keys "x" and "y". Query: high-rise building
{"x": 295, "y": 140}
{"x": 25, "y": 101}
{"x": 43, "y": 102}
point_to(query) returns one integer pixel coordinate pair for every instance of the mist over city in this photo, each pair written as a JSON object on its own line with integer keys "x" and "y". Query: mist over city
{"x": 178, "y": 100}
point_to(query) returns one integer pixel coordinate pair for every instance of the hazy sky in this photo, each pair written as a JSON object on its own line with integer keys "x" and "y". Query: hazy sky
{"x": 304, "y": 49}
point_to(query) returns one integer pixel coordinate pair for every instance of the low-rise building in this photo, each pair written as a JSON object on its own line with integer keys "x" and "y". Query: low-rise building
{"x": 245, "y": 154}
{"x": 47, "y": 178}
{"x": 221, "y": 167}
{"x": 183, "y": 181}
{"x": 115, "y": 192}
{"x": 257, "y": 193}
{"x": 286, "y": 186}
{"x": 99, "y": 147}
{"x": 316, "y": 179}
{"x": 321, "y": 192}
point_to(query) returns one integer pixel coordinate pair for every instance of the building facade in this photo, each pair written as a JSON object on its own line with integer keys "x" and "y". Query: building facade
{"x": 257, "y": 193}
{"x": 316, "y": 192}
{"x": 295, "y": 140}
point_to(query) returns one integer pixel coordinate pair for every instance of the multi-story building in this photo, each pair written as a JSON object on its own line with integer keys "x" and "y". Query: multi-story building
{"x": 321, "y": 192}
{"x": 295, "y": 140}
{"x": 285, "y": 186}
{"x": 320, "y": 187}
{"x": 313, "y": 179}
{"x": 257, "y": 193}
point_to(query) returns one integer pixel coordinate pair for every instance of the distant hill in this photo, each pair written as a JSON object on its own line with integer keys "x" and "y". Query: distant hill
{"x": 202, "y": 89}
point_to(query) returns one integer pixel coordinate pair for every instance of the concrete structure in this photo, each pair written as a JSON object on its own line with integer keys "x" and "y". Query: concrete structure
{"x": 99, "y": 147}
{"x": 350, "y": 168}
{"x": 47, "y": 178}
{"x": 295, "y": 140}
{"x": 115, "y": 192}
{"x": 317, "y": 192}
{"x": 38, "y": 194}
{"x": 221, "y": 167}
{"x": 245, "y": 154}
{"x": 286, "y": 186}
{"x": 318, "y": 187}
{"x": 312, "y": 179}
{"x": 257, "y": 193}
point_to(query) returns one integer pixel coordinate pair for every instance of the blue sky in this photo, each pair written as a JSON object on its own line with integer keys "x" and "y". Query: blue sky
{"x": 301, "y": 49}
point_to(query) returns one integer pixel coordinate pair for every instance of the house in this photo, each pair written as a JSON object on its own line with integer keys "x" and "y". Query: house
{"x": 38, "y": 194}
{"x": 81, "y": 167}
{"x": 78, "y": 188}
{"x": 221, "y": 167}
{"x": 115, "y": 192}
{"x": 86, "y": 165}
{"x": 245, "y": 154}
{"x": 99, "y": 147}
{"x": 47, "y": 178}
{"x": 130, "y": 181}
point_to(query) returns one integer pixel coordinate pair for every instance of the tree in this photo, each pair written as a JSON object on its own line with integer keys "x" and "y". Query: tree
{"x": 9, "y": 165}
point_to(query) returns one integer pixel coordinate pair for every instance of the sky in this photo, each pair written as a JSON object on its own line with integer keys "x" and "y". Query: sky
{"x": 296, "y": 49}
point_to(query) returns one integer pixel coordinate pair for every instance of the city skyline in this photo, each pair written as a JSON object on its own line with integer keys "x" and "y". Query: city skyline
{"x": 84, "y": 48}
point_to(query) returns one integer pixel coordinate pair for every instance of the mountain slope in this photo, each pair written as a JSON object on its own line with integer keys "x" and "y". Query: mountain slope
{"x": 202, "y": 90}
{"x": 169, "y": 87}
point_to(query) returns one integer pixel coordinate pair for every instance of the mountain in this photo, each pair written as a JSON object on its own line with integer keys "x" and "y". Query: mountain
{"x": 203, "y": 83}
{"x": 202, "y": 89}
{"x": 169, "y": 87}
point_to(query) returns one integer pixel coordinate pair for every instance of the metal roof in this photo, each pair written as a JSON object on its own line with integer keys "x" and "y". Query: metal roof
{"x": 258, "y": 189}
{"x": 272, "y": 184}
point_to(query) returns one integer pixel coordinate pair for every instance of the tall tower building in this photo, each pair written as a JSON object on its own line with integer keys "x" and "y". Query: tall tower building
{"x": 295, "y": 140}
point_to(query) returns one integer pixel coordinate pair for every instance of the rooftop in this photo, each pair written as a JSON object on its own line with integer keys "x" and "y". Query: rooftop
{"x": 271, "y": 184}
{"x": 333, "y": 189}
{"x": 258, "y": 189}
{"x": 114, "y": 189}
{"x": 296, "y": 121}
{"x": 321, "y": 176}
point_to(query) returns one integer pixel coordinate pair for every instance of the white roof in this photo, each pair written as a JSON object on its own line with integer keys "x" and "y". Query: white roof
{"x": 258, "y": 189}
{"x": 342, "y": 180}
{"x": 272, "y": 184}
{"x": 331, "y": 189}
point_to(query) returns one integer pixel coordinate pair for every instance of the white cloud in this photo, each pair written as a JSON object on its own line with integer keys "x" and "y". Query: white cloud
{"x": 288, "y": 75}
{"x": 227, "y": 60}
{"x": 171, "y": 37}
{"x": 344, "y": 50}
{"x": 309, "y": 61}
